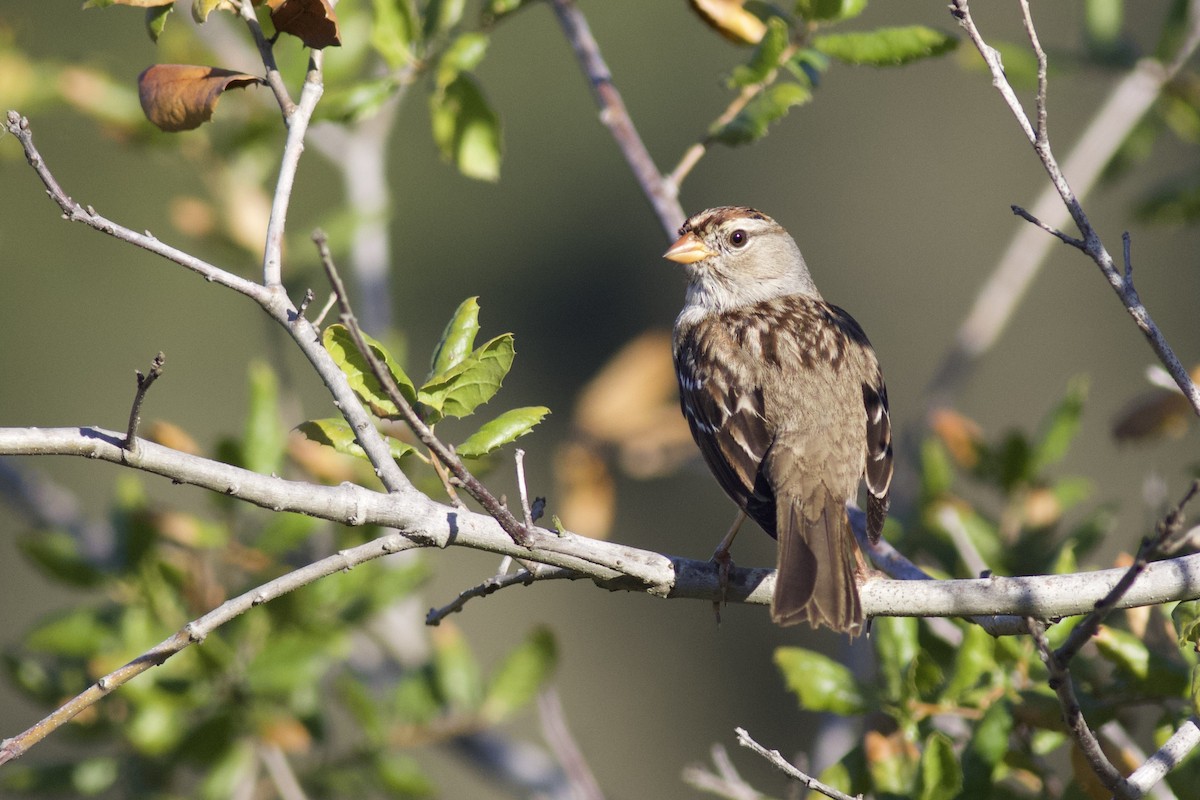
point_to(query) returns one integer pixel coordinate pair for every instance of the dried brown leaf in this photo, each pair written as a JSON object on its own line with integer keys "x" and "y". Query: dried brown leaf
{"x": 961, "y": 435}
{"x": 180, "y": 97}
{"x": 311, "y": 21}
{"x": 586, "y": 495}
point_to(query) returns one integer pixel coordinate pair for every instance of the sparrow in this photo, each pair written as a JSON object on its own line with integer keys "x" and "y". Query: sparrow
{"x": 785, "y": 399}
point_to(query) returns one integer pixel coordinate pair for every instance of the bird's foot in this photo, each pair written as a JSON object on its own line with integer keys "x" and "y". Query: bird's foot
{"x": 724, "y": 563}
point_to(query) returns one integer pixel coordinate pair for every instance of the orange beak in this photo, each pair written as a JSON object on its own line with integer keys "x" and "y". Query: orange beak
{"x": 688, "y": 249}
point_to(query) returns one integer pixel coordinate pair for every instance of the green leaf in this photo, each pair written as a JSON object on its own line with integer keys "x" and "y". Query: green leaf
{"x": 57, "y": 554}
{"x": 505, "y": 428}
{"x": 340, "y": 344}
{"x": 284, "y": 532}
{"x": 472, "y": 382}
{"x": 820, "y": 683}
{"x": 941, "y": 775}
{"x": 442, "y": 15}
{"x": 1186, "y": 618}
{"x": 156, "y": 20}
{"x": 401, "y": 776}
{"x": 1103, "y": 20}
{"x": 458, "y": 338}
{"x": 456, "y": 672}
{"x": 415, "y": 698}
{"x": 896, "y": 643}
{"x": 337, "y": 434}
{"x": 990, "y": 741}
{"x": 937, "y": 473}
{"x": 885, "y": 47}
{"x": 974, "y": 659}
{"x": 202, "y": 8}
{"x": 393, "y": 31}
{"x": 752, "y": 122}
{"x": 466, "y": 129}
{"x": 499, "y": 8}
{"x": 765, "y": 60}
{"x": 1060, "y": 427}
{"x": 80, "y": 633}
{"x": 463, "y": 55}
{"x": 524, "y": 671}
{"x": 829, "y": 10}
{"x": 264, "y": 439}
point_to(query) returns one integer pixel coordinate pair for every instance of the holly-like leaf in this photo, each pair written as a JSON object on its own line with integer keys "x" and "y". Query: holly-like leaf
{"x": 505, "y": 428}
{"x": 180, "y": 97}
{"x": 340, "y": 344}
{"x": 524, "y": 671}
{"x": 337, "y": 434}
{"x": 311, "y": 21}
{"x": 820, "y": 683}
{"x": 771, "y": 104}
{"x": 458, "y": 338}
{"x": 885, "y": 47}
{"x": 466, "y": 129}
{"x": 472, "y": 382}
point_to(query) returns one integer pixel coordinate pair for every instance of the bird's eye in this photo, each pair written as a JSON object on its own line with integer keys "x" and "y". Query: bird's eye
{"x": 738, "y": 238}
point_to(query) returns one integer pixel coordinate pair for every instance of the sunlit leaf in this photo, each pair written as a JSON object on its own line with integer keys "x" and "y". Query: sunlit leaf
{"x": 202, "y": 8}
{"x": 180, "y": 97}
{"x": 458, "y": 338}
{"x": 896, "y": 643}
{"x": 885, "y": 46}
{"x": 442, "y": 15}
{"x": 770, "y": 105}
{"x": 336, "y": 433}
{"x": 521, "y": 675}
{"x": 136, "y": 3}
{"x": 156, "y": 19}
{"x": 466, "y": 129}
{"x": 393, "y": 31}
{"x": 820, "y": 683}
{"x": 81, "y": 632}
{"x": 340, "y": 344}
{"x": 505, "y": 428}
{"x": 974, "y": 659}
{"x": 472, "y": 382}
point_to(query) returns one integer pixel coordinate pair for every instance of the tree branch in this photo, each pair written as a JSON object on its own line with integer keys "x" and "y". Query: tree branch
{"x": 664, "y": 197}
{"x": 785, "y": 766}
{"x": 1129, "y": 101}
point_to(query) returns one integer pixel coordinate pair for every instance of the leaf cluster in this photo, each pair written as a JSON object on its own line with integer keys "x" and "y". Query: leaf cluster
{"x": 956, "y": 713}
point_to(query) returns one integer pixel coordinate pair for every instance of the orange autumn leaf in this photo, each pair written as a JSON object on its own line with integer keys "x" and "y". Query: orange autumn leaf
{"x": 180, "y": 97}
{"x": 311, "y": 21}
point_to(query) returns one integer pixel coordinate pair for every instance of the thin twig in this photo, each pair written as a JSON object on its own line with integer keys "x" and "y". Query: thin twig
{"x": 1165, "y": 759}
{"x": 724, "y": 781}
{"x": 1169, "y": 529}
{"x": 522, "y": 577}
{"x": 613, "y": 114}
{"x": 282, "y": 775}
{"x": 1064, "y": 687}
{"x": 275, "y": 303}
{"x": 1071, "y": 240}
{"x": 472, "y": 485}
{"x": 144, "y": 382}
{"x": 297, "y": 127}
{"x": 196, "y": 631}
{"x": 996, "y": 302}
{"x": 786, "y": 767}
{"x": 556, "y": 733}
{"x": 519, "y": 458}
{"x": 267, "y": 52}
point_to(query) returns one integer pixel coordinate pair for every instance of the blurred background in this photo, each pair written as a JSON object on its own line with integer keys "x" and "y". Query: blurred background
{"x": 896, "y": 183}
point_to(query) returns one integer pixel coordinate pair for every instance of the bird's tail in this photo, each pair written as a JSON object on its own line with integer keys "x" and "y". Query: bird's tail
{"x": 815, "y": 579}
